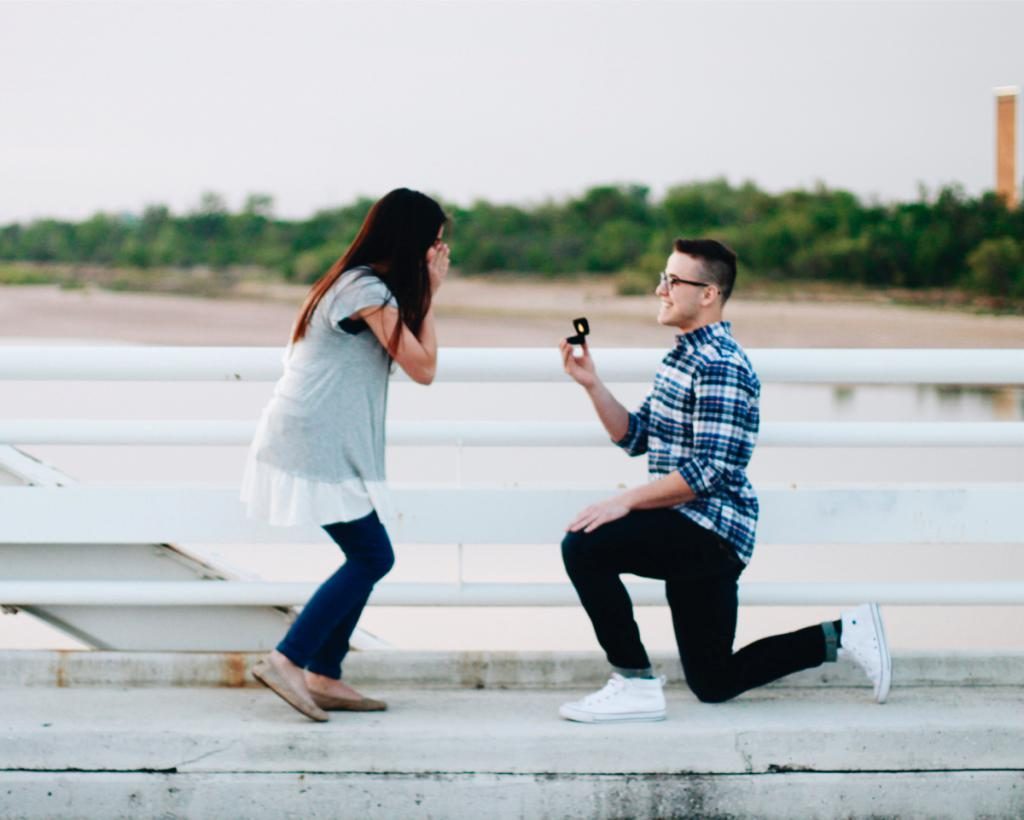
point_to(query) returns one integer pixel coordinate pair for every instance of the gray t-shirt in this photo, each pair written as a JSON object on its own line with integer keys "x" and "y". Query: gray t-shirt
{"x": 325, "y": 422}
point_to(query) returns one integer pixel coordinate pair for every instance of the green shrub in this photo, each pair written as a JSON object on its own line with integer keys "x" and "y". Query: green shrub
{"x": 996, "y": 267}
{"x": 311, "y": 265}
{"x": 635, "y": 283}
{"x": 27, "y": 275}
{"x": 841, "y": 260}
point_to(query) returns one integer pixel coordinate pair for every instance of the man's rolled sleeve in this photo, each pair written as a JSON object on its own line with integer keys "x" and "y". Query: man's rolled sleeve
{"x": 724, "y": 429}
{"x": 635, "y": 440}
{"x": 699, "y": 476}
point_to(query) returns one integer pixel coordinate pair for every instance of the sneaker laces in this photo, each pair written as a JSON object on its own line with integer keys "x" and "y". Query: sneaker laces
{"x": 616, "y": 683}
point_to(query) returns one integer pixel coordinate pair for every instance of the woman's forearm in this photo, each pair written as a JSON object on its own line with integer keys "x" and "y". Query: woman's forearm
{"x": 428, "y": 334}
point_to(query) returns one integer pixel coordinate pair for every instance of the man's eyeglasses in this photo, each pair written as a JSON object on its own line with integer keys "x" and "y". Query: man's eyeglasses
{"x": 669, "y": 282}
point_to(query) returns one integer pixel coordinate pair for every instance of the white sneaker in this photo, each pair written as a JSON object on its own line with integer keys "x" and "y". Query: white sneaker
{"x": 622, "y": 699}
{"x": 863, "y": 641}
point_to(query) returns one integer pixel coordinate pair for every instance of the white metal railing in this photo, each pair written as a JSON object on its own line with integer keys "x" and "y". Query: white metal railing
{"x": 437, "y": 514}
{"x": 829, "y": 366}
{"x": 284, "y": 593}
{"x": 460, "y": 433}
{"x": 447, "y": 514}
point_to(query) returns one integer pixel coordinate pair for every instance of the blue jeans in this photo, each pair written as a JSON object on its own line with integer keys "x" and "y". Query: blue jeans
{"x": 318, "y": 640}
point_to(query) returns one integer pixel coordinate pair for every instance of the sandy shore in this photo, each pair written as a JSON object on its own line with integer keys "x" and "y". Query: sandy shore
{"x": 486, "y": 313}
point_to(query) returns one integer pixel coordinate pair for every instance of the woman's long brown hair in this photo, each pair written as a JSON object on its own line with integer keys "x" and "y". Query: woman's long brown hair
{"x": 393, "y": 240}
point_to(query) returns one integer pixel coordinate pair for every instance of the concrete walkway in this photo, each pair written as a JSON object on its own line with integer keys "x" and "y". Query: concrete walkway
{"x": 807, "y": 751}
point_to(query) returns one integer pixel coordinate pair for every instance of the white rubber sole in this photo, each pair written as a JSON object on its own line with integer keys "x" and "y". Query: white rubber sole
{"x": 581, "y": 716}
{"x": 885, "y": 660}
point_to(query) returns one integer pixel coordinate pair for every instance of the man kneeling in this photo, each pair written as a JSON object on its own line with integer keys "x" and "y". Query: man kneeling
{"x": 693, "y": 524}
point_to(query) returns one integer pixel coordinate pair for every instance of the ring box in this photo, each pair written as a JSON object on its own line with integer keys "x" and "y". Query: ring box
{"x": 582, "y": 327}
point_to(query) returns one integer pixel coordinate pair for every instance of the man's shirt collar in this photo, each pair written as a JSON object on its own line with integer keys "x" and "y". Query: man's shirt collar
{"x": 702, "y": 335}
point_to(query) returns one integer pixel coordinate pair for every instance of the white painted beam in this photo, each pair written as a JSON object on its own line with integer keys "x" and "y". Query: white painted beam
{"x": 872, "y": 514}
{"x": 283, "y": 594}
{"x": 829, "y": 366}
{"x": 509, "y": 433}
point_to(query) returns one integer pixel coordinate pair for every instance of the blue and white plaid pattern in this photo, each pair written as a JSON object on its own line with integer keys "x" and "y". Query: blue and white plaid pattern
{"x": 701, "y": 420}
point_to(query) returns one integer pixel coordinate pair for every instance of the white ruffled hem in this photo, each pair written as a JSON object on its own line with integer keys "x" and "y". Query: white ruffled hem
{"x": 284, "y": 499}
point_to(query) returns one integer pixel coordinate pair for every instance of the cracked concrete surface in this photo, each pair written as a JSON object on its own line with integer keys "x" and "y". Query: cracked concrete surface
{"x": 197, "y": 753}
{"x": 510, "y": 732}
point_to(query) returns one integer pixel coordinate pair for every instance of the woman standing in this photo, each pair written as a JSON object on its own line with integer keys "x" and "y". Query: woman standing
{"x": 318, "y": 454}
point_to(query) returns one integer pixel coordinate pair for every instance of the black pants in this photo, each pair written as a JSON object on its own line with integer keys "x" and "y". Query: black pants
{"x": 700, "y": 572}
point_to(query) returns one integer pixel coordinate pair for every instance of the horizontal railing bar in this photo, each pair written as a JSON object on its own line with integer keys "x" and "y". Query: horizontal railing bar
{"x": 435, "y": 514}
{"x": 892, "y": 434}
{"x": 508, "y": 433}
{"x": 277, "y": 593}
{"x": 795, "y": 365}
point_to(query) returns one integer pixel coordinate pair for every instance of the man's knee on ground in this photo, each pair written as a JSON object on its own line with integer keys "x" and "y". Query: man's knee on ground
{"x": 709, "y": 691}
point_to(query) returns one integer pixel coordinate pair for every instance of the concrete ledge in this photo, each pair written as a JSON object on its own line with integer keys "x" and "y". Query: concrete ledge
{"x": 476, "y": 670}
{"x": 509, "y": 732}
{"x": 208, "y": 752}
{"x": 938, "y": 796}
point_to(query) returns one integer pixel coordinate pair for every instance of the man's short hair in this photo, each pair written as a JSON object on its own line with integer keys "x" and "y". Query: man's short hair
{"x": 718, "y": 261}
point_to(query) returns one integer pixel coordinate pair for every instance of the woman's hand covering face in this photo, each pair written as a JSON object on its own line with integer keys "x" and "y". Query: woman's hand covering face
{"x": 438, "y": 257}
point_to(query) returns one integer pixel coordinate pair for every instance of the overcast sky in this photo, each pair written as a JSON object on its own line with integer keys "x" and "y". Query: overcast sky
{"x": 113, "y": 105}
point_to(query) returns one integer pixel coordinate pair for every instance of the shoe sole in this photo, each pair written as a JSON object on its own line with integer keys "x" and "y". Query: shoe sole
{"x": 579, "y": 716}
{"x": 266, "y": 677}
{"x": 885, "y": 675}
{"x": 336, "y": 704}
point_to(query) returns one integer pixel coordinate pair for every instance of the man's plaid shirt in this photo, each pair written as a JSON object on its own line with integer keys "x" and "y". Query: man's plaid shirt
{"x": 701, "y": 419}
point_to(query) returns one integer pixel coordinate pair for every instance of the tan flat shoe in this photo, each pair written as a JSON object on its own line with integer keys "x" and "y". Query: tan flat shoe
{"x": 266, "y": 674}
{"x": 334, "y": 703}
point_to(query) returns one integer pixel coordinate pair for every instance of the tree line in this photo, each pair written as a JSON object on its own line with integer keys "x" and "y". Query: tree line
{"x": 941, "y": 239}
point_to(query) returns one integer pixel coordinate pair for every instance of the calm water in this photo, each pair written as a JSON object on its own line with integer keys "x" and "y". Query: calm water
{"x": 539, "y": 628}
